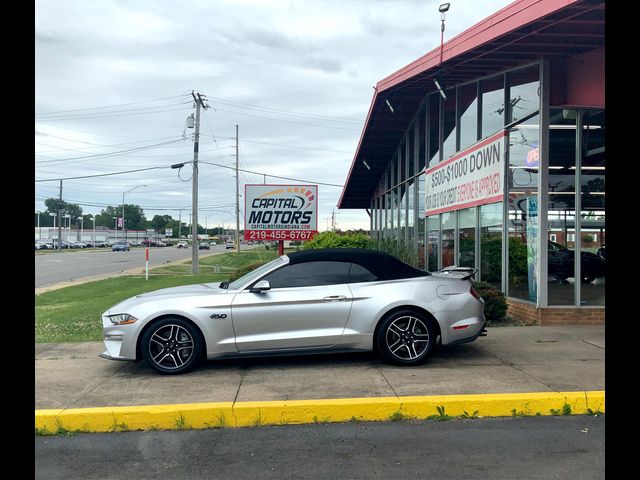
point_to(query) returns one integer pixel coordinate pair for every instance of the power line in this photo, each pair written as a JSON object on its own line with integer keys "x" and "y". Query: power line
{"x": 106, "y": 115}
{"x": 100, "y": 175}
{"x": 112, "y": 106}
{"x": 295, "y": 146}
{"x": 273, "y": 176}
{"x": 112, "y": 153}
{"x": 287, "y": 121}
{"x": 290, "y": 112}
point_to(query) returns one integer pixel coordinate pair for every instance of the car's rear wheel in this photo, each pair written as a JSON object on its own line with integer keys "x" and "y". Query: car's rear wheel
{"x": 172, "y": 346}
{"x": 406, "y": 337}
{"x": 588, "y": 277}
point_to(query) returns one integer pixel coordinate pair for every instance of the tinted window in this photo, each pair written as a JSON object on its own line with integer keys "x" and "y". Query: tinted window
{"x": 309, "y": 274}
{"x": 359, "y": 274}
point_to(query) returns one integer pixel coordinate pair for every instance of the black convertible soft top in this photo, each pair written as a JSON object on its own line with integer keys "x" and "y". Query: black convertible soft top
{"x": 381, "y": 264}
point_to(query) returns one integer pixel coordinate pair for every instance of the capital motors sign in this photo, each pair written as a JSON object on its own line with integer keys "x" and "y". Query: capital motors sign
{"x": 280, "y": 212}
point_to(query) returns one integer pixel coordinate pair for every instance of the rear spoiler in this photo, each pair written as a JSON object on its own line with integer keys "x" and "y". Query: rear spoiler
{"x": 449, "y": 270}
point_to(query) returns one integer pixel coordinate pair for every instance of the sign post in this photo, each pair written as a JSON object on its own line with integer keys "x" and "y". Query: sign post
{"x": 280, "y": 212}
{"x": 146, "y": 270}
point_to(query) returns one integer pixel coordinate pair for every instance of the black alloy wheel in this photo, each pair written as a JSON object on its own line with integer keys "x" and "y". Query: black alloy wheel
{"x": 172, "y": 346}
{"x": 406, "y": 337}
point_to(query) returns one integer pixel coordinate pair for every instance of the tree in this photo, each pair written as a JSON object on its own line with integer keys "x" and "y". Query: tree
{"x": 57, "y": 206}
{"x": 160, "y": 222}
{"x": 133, "y": 217}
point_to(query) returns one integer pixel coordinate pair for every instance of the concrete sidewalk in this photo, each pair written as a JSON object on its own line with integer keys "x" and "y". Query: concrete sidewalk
{"x": 508, "y": 360}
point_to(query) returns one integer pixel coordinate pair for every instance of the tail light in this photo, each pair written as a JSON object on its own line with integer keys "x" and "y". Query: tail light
{"x": 475, "y": 293}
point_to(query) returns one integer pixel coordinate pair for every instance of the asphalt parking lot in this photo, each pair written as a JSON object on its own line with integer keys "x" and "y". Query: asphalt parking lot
{"x": 508, "y": 360}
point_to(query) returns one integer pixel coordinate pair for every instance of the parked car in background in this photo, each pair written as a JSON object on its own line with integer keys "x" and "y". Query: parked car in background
{"x": 562, "y": 260}
{"x": 121, "y": 247}
{"x": 299, "y": 303}
{"x": 40, "y": 245}
{"x": 601, "y": 253}
{"x": 204, "y": 246}
{"x": 228, "y": 245}
{"x": 182, "y": 244}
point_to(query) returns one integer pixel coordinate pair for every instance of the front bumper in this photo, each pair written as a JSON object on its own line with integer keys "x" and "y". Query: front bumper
{"x": 106, "y": 355}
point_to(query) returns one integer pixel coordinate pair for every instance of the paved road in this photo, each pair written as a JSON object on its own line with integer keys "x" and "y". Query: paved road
{"x": 513, "y": 448}
{"x": 66, "y": 266}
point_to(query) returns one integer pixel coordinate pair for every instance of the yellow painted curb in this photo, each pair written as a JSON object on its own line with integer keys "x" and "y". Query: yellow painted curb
{"x": 243, "y": 414}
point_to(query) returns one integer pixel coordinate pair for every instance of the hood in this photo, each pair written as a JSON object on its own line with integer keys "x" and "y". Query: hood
{"x": 186, "y": 293}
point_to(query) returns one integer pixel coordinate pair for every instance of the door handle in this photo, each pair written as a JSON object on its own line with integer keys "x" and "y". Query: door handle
{"x": 335, "y": 298}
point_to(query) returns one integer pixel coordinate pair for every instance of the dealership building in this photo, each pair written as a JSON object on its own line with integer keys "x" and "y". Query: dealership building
{"x": 488, "y": 152}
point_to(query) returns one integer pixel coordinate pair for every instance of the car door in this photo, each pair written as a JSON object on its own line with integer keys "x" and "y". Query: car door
{"x": 307, "y": 307}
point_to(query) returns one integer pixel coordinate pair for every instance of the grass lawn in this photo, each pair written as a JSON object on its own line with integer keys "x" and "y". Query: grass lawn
{"x": 72, "y": 314}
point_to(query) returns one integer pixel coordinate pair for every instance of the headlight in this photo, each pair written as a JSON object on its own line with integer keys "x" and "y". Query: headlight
{"x": 122, "y": 319}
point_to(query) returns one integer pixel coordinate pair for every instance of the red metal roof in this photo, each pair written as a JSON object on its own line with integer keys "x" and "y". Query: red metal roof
{"x": 520, "y": 33}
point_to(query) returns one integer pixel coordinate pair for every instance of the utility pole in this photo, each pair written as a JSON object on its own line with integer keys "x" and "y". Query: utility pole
{"x": 195, "y": 267}
{"x": 59, "y": 221}
{"x": 237, "y": 199}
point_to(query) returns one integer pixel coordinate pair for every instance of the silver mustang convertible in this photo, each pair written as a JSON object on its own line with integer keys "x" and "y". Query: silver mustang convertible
{"x": 302, "y": 302}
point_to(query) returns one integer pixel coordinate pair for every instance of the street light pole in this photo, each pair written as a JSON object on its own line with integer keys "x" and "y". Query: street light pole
{"x": 94, "y": 230}
{"x": 68, "y": 216}
{"x": 124, "y": 235}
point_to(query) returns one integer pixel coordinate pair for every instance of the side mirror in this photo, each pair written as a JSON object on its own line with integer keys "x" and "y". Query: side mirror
{"x": 261, "y": 286}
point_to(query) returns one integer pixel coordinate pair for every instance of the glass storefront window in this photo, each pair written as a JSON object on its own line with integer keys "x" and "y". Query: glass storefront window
{"x": 468, "y": 108}
{"x": 467, "y": 237}
{"x": 420, "y": 140}
{"x": 592, "y": 209}
{"x": 433, "y": 242}
{"x": 523, "y": 201}
{"x": 449, "y": 124}
{"x": 448, "y": 238}
{"x": 411, "y": 209}
{"x": 492, "y": 91}
{"x": 562, "y": 207}
{"x": 420, "y": 223}
{"x": 491, "y": 244}
{"x": 433, "y": 127}
{"x": 524, "y": 92}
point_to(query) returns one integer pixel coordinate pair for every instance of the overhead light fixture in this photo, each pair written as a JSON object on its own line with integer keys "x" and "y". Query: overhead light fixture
{"x": 439, "y": 87}
{"x": 366, "y": 165}
{"x": 389, "y": 105}
{"x": 444, "y": 7}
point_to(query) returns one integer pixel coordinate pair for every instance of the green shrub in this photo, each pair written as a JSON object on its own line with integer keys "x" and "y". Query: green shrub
{"x": 336, "y": 240}
{"x": 495, "y": 302}
{"x": 244, "y": 270}
{"x": 401, "y": 251}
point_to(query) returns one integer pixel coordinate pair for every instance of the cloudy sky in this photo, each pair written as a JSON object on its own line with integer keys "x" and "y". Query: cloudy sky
{"x": 113, "y": 83}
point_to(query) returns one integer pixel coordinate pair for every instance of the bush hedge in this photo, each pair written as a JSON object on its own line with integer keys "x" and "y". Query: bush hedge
{"x": 495, "y": 302}
{"x": 335, "y": 240}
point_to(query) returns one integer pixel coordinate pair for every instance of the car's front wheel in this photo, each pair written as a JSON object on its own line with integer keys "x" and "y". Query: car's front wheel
{"x": 406, "y": 337}
{"x": 172, "y": 346}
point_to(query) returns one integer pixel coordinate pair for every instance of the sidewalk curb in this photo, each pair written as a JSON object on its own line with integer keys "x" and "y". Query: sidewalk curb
{"x": 243, "y": 414}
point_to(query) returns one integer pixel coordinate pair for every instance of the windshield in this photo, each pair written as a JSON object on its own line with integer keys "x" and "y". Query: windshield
{"x": 254, "y": 274}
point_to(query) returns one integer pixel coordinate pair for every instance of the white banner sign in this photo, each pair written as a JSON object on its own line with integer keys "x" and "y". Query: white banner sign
{"x": 471, "y": 177}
